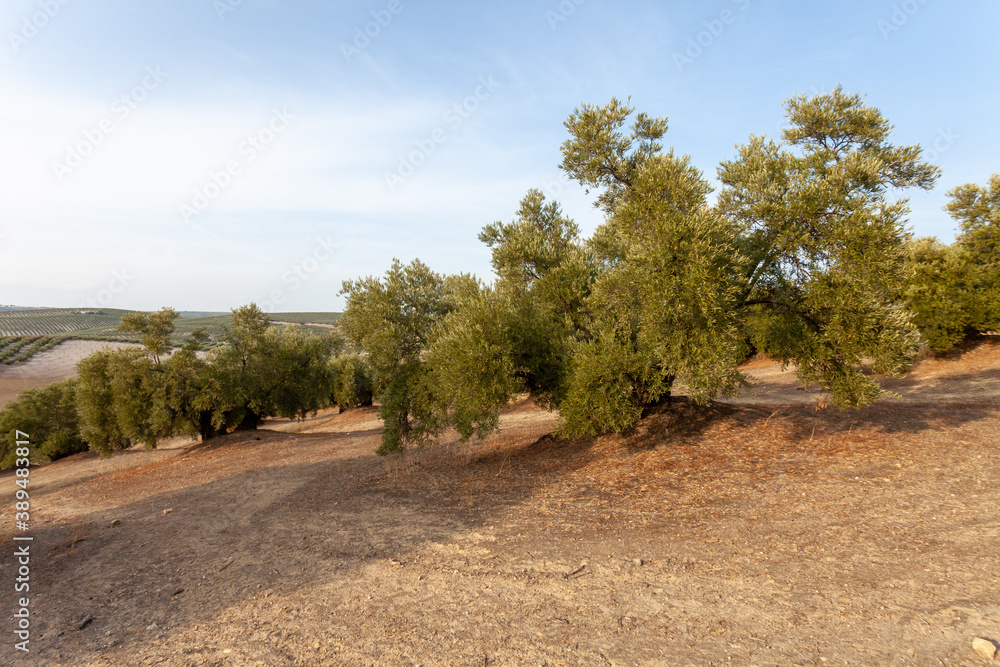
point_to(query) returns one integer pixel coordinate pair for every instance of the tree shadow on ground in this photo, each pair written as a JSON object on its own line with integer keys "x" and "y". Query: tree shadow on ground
{"x": 311, "y": 509}
{"x": 184, "y": 556}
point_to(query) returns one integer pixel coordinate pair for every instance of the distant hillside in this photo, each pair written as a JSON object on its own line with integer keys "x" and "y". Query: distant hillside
{"x": 55, "y": 321}
{"x": 25, "y": 332}
{"x": 306, "y": 318}
{"x": 200, "y": 313}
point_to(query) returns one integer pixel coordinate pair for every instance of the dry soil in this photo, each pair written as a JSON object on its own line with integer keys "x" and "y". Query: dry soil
{"x": 766, "y": 531}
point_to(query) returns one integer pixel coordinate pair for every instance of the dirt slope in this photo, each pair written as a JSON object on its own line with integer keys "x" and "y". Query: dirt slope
{"x": 751, "y": 533}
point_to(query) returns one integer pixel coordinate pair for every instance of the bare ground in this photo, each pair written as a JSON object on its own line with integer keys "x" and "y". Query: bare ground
{"x": 758, "y": 532}
{"x": 47, "y": 367}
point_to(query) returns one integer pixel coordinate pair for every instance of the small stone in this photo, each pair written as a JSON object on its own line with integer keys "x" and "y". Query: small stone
{"x": 84, "y": 622}
{"x": 637, "y": 561}
{"x": 316, "y": 646}
{"x": 152, "y": 626}
{"x": 115, "y": 522}
{"x": 984, "y": 647}
{"x": 168, "y": 511}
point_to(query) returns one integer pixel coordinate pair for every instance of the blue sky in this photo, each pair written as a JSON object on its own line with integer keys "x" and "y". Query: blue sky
{"x": 203, "y": 154}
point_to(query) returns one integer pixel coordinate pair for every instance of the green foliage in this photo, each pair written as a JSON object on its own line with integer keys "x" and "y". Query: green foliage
{"x": 954, "y": 291}
{"x": 941, "y": 292}
{"x": 977, "y": 210}
{"x": 803, "y": 257}
{"x": 661, "y": 307}
{"x": 297, "y": 377}
{"x": 516, "y": 335}
{"x": 115, "y": 400}
{"x": 391, "y": 319}
{"x": 612, "y": 381}
{"x": 129, "y": 396}
{"x": 48, "y": 416}
{"x": 153, "y": 328}
{"x": 353, "y": 384}
{"x": 544, "y": 276}
{"x": 825, "y": 245}
{"x": 265, "y": 371}
{"x": 473, "y": 362}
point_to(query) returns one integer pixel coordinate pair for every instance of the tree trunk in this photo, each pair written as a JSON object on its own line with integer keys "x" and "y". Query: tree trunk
{"x": 205, "y": 426}
{"x": 250, "y": 421}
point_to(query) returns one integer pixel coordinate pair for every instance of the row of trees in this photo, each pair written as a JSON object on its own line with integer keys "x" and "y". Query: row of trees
{"x": 804, "y": 256}
{"x": 133, "y": 395}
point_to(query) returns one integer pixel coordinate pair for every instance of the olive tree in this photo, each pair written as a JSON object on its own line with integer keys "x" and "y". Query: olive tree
{"x": 49, "y": 416}
{"x": 825, "y": 242}
{"x": 977, "y": 210}
{"x": 803, "y": 256}
{"x": 662, "y": 307}
{"x": 941, "y": 291}
{"x": 391, "y": 320}
{"x": 267, "y": 371}
{"x": 115, "y": 400}
{"x": 515, "y": 335}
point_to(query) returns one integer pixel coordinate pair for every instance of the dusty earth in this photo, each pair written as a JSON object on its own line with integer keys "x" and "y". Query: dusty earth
{"x": 47, "y": 367}
{"x": 766, "y": 531}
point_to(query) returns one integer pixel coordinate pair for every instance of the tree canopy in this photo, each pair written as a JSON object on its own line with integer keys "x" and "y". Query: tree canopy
{"x": 391, "y": 319}
{"x": 803, "y": 255}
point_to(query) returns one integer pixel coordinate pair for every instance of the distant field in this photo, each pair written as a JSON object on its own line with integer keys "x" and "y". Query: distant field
{"x": 306, "y": 318}
{"x": 48, "y": 366}
{"x": 24, "y": 333}
{"x": 55, "y": 321}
